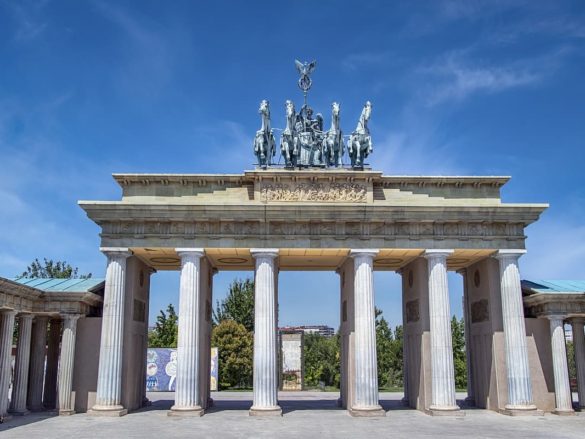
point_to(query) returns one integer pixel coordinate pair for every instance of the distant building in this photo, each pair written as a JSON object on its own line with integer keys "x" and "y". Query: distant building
{"x": 324, "y": 330}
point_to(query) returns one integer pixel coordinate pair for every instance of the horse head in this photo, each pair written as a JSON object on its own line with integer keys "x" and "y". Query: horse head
{"x": 264, "y": 108}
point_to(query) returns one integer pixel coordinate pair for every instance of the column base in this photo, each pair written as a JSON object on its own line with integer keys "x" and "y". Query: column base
{"x": 526, "y": 410}
{"x": 19, "y": 412}
{"x": 192, "y": 412}
{"x": 445, "y": 411}
{"x": 66, "y": 412}
{"x": 265, "y": 411}
{"x": 108, "y": 410}
{"x": 5, "y": 418}
{"x": 367, "y": 412}
{"x": 566, "y": 412}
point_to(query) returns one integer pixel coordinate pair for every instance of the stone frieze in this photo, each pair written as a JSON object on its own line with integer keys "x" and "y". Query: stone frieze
{"x": 348, "y": 192}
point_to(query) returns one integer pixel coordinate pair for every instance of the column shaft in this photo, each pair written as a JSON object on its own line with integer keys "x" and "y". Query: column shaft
{"x": 265, "y": 340}
{"x": 564, "y": 403}
{"x": 187, "y": 400}
{"x": 66, "y": 363}
{"x": 50, "y": 391}
{"x": 467, "y": 321}
{"x": 109, "y": 385}
{"x": 579, "y": 346}
{"x": 37, "y": 363}
{"x": 21, "y": 366}
{"x": 517, "y": 368}
{"x": 442, "y": 369}
{"x": 366, "y": 365}
{"x": 6, "y": 332}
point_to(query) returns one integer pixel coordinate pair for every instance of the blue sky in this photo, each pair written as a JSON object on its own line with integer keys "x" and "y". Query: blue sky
{"x": 458, "y": 87}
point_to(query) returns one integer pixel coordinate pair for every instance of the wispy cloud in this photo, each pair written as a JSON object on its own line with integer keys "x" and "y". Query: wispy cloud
{"x": 29, "y": 18}
{"x": 458, "y": 75}
{"x": 147, "y": 62}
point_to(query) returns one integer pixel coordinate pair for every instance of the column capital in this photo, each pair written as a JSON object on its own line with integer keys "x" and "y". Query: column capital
{"x": 437, "y": 253}
{"x": 552, "y": 317}
{"x": 8, "y": 311}
{"x": 70, "y": 317}
{"x": 264, "y": 252}
{"x": 116, "y": 251}
{"x": 462, "y": 272}
{"x": 26, "y": 316}
{"x": 509, "y": 254}
{"x": 356, "y": 253}
{"x": 184, "y": 251}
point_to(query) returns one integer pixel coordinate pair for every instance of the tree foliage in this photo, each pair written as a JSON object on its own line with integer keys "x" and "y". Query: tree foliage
{"x": 459, "y": 355}
{"x": 322, "y": 360}
{"x": 388, "y": 352}
{"x": 166, "y": 331}
{"x": 235, "y": 349}
{"x": 238, "y": 305}
{"x": 53, "y": 269}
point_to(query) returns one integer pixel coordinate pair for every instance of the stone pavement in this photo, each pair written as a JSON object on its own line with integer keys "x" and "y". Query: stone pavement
{"x": 306, "y": 414}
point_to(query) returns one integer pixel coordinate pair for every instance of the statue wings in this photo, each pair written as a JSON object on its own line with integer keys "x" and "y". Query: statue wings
{"x": 306, "y": 68}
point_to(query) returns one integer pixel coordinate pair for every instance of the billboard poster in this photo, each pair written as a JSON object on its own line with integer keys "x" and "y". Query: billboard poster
{"x": 161, "y": 369}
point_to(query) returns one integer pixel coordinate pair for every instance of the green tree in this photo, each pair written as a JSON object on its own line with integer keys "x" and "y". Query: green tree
{"x": 235, "y": 349}
{"x": 571, "y": 362}
{"x": 384, "y": 350}
{"x": 52, "y": 269}
{"x": 459, "y": 358}
{"x": 238, "y": 305}
{"x": 322, "y": 360}
{"x": 166, "y": 331}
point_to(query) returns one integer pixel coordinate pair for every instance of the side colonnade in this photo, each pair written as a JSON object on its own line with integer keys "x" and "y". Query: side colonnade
{"x": 44, "y": 363}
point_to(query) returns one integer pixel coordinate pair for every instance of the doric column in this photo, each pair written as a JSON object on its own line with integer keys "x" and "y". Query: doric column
{"x": 6, "y": 332}
{"x": 579, "y": 346}
{"x": 517, "y": 368}
{"x": 442, "y": 370}
{"x": 37, "y": 363}
{"x": 563, "y": 397}
{"x": 66, "y": 360}
{"x": 109, "y": 385}
{"x": 188, "y": 345}
{"x": 21, "y": 365}
{"x": 366, "y": 365}
{"x": 265, "y": 355}
{"x": 467, "y": 322}
{"x": 50, "y": 391}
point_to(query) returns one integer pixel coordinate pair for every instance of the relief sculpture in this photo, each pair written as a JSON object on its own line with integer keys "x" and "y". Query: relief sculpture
{"x": 340, "y": 192}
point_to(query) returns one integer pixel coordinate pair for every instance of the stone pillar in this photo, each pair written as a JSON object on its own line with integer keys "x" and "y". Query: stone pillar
{"x": 579, "y": 346}
{"x": 265, "y": 355}
{"x": 37, "y": 363}
{"x": 517, "y": 369}
{"x": 467, "y": 321}
{"x": 6, "y": 331}
{"x": 442, "y": 370}
{"x": 563, "y": 397}
{"x": 109, "y": 384}
{"x": 187, "y": 401}
{"x": 366, "y": 368}
{"x": 50, "y": 391}
{"x": 405, "y": 398}
{"x": 66, "y": 360}
{"x": 21, "y": 365}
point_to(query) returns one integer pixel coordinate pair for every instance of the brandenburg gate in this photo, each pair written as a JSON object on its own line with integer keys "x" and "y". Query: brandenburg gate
{"x": 313, "y": 213}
